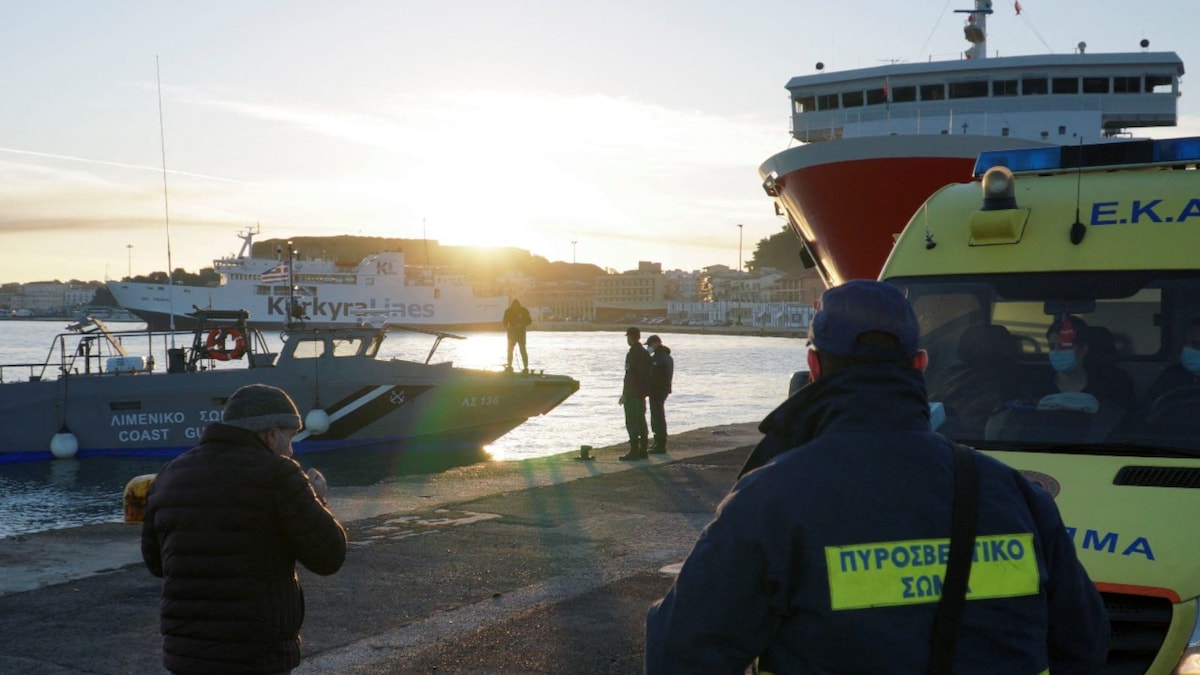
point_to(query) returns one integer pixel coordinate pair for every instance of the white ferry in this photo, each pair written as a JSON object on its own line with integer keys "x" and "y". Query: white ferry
{"x": 322, "y": 293}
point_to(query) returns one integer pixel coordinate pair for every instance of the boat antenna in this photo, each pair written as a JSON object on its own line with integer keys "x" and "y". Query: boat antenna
{"x": 162, "y": 144}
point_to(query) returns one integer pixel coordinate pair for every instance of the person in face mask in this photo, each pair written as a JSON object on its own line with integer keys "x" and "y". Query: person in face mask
{"x": 1082, "y": 366}
{"x": 1185, "y": 373}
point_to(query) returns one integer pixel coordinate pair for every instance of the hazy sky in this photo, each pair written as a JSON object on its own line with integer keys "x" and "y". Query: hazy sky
{"x": 633, "y": 127}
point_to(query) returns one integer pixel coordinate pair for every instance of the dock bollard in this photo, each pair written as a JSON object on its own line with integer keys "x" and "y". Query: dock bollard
{"x": 585, "y": 453}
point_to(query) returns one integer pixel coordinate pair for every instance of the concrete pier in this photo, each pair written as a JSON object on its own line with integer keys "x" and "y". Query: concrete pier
{"x": 544, "y": 565}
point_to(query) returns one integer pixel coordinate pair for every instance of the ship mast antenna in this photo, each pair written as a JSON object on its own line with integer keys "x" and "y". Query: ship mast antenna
{"x": 162, "y": 144}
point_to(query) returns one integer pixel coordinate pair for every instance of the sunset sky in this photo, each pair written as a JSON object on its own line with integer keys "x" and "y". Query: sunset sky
{"x": 632, "y": 127}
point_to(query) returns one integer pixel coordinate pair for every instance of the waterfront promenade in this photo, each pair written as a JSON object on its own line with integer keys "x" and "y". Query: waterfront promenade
{"x": 544, "y": 565}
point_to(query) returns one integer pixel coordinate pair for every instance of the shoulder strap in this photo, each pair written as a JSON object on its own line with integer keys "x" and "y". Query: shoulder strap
{"x": 958, "y": 567}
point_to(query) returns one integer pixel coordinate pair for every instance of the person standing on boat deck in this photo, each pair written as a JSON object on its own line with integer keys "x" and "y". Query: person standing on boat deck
{"x": 225, "y": 524}
{"x": 516, "y": 320}
{"x": 831, "y": 557}
{"x": 633, "y": 395}
{"x": 662, "y": 371}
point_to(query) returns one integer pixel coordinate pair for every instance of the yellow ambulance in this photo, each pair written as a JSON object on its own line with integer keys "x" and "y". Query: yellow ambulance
{"x": 1059, "y": 301}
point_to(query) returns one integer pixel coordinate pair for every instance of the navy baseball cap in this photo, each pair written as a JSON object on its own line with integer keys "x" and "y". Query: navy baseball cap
{"x": 862, "y": 306}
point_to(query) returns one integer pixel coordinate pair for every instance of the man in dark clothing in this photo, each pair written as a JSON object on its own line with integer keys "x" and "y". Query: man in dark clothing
{"x": 516, "y": 320}
{"x": 1185, "y": 373}
{"x": 633, "y": 395}
{"x": 662, "y": 371}
{"x": 830, "y": 557}
{"x": 225, "y": 523}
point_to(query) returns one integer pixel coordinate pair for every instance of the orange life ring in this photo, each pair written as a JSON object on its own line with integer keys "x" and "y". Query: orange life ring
{"x": 215, "y": 344}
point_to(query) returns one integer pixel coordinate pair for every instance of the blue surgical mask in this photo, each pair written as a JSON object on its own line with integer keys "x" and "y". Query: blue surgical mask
{"x": 1190, "y": 358}
{"x": 1062, "y": 360}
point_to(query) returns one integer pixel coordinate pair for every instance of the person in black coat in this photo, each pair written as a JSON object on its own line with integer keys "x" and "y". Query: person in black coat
{"x": 634, "y": 390}
{"x": 829, "y": 557}
{"x": 224, "y": 526}
{"x": 662, "y": 371}
{"x": 516, "y": 320}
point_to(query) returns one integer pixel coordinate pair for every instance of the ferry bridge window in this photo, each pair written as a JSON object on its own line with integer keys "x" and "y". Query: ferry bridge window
{"x": 1127, "y": 85}
{"x": 852, "y": 99}
{"x": 1095, "y": 85}
{"x": 1033, "y": 86}
{"x": 1005, "y": 88}
{"x": 969, "y": 89}
{"x": 904, "y": 94}
{"x": 805, "y": 104}
{"x": 1065, "y": 85}
{"x": 933, "y": 92}
{"x": 876, "y": 96}
{"x": 827, "y": 102}
{"x": 1160, "y": 84}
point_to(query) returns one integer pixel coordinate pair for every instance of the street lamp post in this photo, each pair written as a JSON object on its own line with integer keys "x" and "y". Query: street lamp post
{"x": 739, "y": 248}
{"x": 739, "y": 305}
{"x": 571, "y": 295}
{"x": 129, "y": 274}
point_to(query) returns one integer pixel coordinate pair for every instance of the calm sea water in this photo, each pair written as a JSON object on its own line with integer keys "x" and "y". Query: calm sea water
{"x": 719, "y": 379}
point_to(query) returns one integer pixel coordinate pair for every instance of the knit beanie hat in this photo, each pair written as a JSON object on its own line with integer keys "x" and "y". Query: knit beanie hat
{"x": 258, "y": 407}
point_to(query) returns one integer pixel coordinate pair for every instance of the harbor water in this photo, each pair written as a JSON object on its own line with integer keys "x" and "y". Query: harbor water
{"x": 719, "y": 379}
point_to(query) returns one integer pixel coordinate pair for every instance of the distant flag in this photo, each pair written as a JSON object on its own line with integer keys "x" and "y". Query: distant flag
{"x": 1017, "y": 6}
{"x": 275, "y": 275}
{"x": 886, "y": 85}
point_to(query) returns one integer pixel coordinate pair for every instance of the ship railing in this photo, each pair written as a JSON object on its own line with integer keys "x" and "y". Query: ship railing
{"x": 438, "y": 337}
{"x": 33, "y": 374}
{"x": 1115, "y": 111}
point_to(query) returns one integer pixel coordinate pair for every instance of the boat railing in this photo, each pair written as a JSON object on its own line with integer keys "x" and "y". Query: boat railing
{"x": 438, "y": 337}
{"x": 1119, "y": 111}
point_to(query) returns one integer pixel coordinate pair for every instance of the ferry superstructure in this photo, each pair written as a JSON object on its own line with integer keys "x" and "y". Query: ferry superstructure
{"x": 325, "y": 293}
{"x": 878, "y": 141}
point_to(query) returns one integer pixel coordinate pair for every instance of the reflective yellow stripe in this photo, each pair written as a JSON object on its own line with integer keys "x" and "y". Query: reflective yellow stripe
{"x": 911, "y": 572}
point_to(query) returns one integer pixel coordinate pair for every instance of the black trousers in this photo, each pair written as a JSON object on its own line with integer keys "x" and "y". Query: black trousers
{"x": 658, "y": 416}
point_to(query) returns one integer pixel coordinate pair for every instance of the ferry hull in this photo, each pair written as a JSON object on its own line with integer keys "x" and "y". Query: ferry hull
{"x": 848, "y": 199}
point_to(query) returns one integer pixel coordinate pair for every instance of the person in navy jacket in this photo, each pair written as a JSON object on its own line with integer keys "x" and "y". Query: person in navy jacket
{"x": 827, "y": 556}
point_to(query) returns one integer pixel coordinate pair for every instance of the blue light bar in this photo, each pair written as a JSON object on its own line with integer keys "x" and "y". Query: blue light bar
{"x": 1169, "y": 151}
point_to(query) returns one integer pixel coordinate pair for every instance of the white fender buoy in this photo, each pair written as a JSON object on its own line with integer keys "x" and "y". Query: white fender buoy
{"x": 64, "y": 445}
{"x": 136, "y": 491}
{"x": 316, "y": 421}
